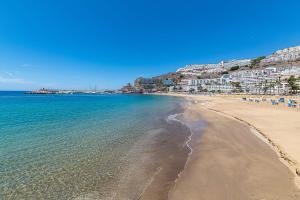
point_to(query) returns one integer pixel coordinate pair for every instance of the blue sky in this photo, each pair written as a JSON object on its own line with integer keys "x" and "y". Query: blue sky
{"x": 78, "y": 44}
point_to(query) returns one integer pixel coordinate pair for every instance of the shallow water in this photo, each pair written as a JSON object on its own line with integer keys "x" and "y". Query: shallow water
{"x": 79, "y": 146}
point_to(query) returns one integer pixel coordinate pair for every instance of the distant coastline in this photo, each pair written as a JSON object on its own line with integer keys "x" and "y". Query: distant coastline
{"x": 53, "y": 91}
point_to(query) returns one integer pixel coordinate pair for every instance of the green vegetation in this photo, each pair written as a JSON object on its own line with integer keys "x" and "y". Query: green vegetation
{"x": 181, "y": 76}
{"x": 255, "y": 62}
{"x": 199, "y": 77}
{"x": 226, "y": 72}
{"x": 192, "y": 90}
{"x": 292, "y": 83}
{"x": 234, "y": 68}
{"x": 237, "y": 86}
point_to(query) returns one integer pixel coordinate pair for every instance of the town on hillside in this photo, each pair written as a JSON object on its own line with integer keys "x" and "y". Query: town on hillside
{"x": 278, "y": 73}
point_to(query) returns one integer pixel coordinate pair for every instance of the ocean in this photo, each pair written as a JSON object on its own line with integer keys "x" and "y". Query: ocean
{"x": 89, "y": 146}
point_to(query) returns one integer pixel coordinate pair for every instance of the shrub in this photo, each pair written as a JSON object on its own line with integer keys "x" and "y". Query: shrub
{"x": 256, "y": 61}
{"x": 234, "y": 68}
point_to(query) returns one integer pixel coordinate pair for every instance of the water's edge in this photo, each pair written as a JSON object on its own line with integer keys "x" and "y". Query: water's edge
{"x": 92, "y": 147}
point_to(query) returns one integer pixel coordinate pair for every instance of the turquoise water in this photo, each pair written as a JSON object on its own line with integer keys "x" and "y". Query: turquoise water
{"x": 61, "y": 146}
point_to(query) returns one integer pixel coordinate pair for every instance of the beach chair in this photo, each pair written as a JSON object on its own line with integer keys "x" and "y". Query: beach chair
{"x": 281, "y": 99}
{"x": 292, "y": 103}
{"x": 295, "y": 104}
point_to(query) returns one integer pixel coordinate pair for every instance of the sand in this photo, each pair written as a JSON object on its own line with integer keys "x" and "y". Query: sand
{"x": 163, "y": 156}
{"x": 280, "y": 125}
{"x": 229, "y": 162}
{"x": 247, "y": 150}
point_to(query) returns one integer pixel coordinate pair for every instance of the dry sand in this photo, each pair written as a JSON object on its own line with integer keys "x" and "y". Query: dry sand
{"x": 280, "y": 125}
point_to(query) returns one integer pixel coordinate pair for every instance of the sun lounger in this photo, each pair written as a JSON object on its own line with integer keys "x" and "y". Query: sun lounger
{"x": 281, "y": 99}
{"x": 292, "y": 103}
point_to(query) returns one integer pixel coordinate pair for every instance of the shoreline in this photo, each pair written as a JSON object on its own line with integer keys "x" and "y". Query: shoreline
{"x": 289, "y": 173}
{"x": 159, "y": 157}
{"x": 268, "y": 167}
{"x": 168, "y": 155}
{"x": 283, "y": 156}
{"x": 188, "y": 142}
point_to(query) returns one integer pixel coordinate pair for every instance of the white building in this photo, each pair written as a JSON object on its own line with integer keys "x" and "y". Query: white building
{"x": 218, "y": 85}
{"x": 196, "y": 69}
{"x": 291, "y": 71}
{"x": 284, "y": 55}
{"x": 233, "y": 63}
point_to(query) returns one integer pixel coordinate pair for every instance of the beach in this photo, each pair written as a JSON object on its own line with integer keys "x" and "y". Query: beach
{"x": 247, "y": 150}
{"x": 147, "y": 147}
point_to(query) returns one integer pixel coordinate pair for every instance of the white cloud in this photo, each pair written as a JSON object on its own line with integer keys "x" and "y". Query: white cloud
{"x": 13, "y": 80}
{"x": 9, "y": 77}
{"x": 26, "y": 65}
{"x": 9, "y": 74}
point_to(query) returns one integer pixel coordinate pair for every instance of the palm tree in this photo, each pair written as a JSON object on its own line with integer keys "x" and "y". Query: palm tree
{"x": 278, "y": 84}
{"x": 292, "y": 83}
{"x": 237, "y": 86}
{"x": 192, "y": 90}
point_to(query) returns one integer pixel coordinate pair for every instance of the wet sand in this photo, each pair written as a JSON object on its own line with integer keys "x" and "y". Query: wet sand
{"x": 229, "y": 162}
{"x": 160, "y": 157}
{"x": 169, "y": 155}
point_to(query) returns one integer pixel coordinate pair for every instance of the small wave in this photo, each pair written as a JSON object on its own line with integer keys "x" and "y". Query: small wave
{"x": 158, "y": 170}
{"x": 188, "y": 144}
{"x": 173, "y": 117}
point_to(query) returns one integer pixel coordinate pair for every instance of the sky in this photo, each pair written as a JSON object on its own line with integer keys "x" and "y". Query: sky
{"x": 76, "y": 44}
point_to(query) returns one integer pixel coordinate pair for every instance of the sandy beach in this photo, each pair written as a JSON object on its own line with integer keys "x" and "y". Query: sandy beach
{"x": 247, "y": 150}
{"x": 279, "y": 125}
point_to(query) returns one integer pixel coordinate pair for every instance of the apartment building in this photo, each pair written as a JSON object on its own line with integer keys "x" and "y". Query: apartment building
{"x": 195, "y": 69}
{"x": 284, "y": 55}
